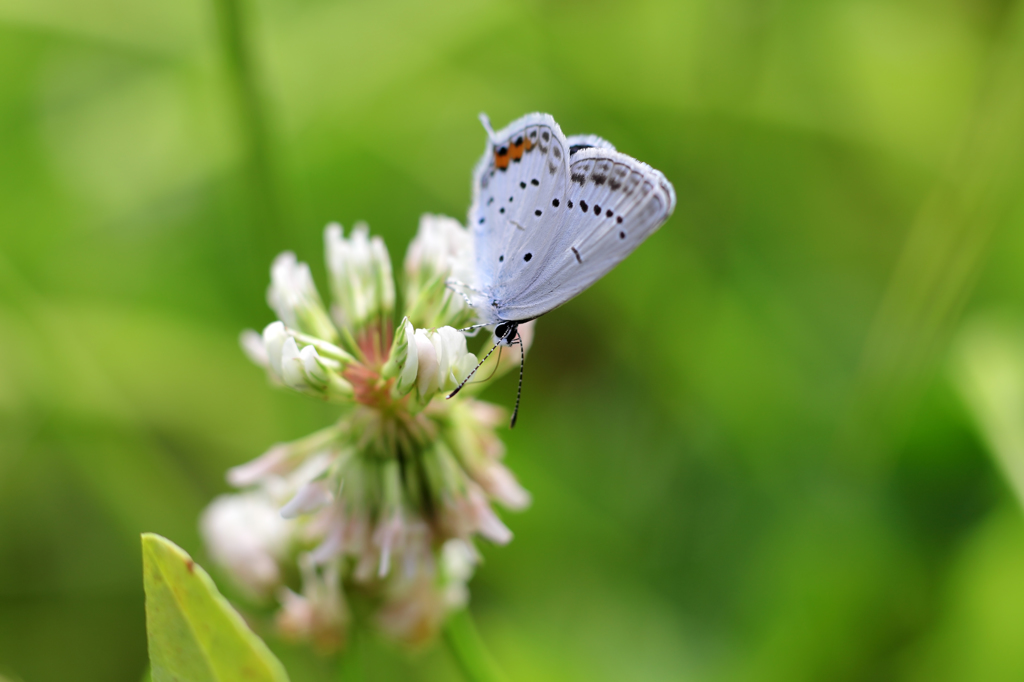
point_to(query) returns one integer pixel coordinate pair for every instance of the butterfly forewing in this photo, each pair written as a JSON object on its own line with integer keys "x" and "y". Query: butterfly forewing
{"x": 524, "y": 168}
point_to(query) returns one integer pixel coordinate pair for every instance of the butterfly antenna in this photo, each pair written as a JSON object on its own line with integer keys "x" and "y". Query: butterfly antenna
{"x": 487, "y": 126}
{"x": 470, "y": 375}
{"x": 519, "y": 392}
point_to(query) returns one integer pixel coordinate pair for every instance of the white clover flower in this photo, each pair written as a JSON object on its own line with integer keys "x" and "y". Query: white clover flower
{"x": 441, "y": 251}
{"x": 248, "y": 538}
{"x": 389, "y": 500}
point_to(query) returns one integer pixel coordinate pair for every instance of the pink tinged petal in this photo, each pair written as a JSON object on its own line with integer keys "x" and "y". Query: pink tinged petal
{"x": 388, "y": 536}
{"x": 500, "y": 484}
{"x": 273, "y": 461}
{"x": 310, "y": 498}
{"x": 332, "y": 545}
{"x": 253, "y": 347}
{"x": 487, "y": 522}
{"x": 526, "y": 331}
{"x": 487, "y": 414}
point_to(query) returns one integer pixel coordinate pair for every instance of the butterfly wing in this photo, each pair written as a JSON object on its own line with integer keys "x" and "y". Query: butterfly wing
{"x": 525, "y": 167}
{"x": 611, "y": 203}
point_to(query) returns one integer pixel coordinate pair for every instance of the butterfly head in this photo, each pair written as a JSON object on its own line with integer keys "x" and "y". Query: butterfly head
{"x": 505, "y": 333}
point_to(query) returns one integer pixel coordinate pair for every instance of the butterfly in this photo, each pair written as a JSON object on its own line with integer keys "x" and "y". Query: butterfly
{"x": 551, "y": 215}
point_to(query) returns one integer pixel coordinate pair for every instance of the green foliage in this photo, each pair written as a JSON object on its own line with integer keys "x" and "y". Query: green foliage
{"x": 195, "y": 635}
{"x": 746, "y": 458}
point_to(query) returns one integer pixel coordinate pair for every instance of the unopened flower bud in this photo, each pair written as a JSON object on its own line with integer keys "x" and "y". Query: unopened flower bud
{"x": 441, "y": 251}
{"x": 360, "y": 273}
{"x": 403, "y": 361}
{"x": 293, "y": 296}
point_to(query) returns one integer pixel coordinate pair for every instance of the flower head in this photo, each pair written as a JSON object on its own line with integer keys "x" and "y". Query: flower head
{"x": 389, "y": 500}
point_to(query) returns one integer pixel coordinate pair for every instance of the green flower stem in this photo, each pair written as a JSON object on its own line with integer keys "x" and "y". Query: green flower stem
{"x": 468, "y": 648}
{"x": 252, "y": 118}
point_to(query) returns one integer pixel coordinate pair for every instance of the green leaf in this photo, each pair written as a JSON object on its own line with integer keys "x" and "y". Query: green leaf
{"x": 194, "y": 633}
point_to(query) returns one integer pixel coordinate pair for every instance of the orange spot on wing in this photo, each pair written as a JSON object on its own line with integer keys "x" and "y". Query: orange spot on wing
{"x": 501, "y": 157}
{"x": 515, "y": 150}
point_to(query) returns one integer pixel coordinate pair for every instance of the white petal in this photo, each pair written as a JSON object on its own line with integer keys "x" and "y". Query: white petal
{"x": 274, "y": 335}
{"x": 426, "y": 380}
{"x": 292, "y": 372}
{"x": 407, "y": 379}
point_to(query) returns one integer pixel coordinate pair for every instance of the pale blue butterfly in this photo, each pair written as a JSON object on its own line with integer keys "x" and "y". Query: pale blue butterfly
{"x": 552, "y": 215}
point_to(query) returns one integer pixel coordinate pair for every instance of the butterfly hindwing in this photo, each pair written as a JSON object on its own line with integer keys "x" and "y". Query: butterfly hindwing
{"x": 613, "y": 203}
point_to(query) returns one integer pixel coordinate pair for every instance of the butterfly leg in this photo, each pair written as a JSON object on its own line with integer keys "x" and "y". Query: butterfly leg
{"x": 452, "y": 283}
{"x": 473, "y": 328}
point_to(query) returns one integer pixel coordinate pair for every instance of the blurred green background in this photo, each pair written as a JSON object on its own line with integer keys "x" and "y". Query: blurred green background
{"x": 747, "y": 455}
